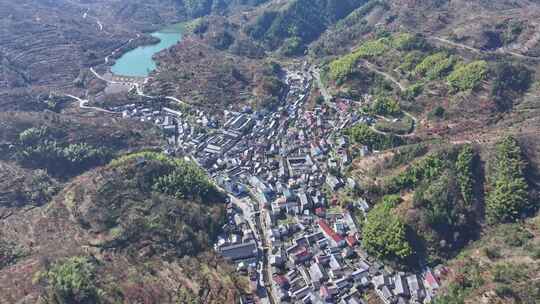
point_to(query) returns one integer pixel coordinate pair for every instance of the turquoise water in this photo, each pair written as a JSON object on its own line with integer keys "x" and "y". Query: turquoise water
{"x": 139, "y": 62}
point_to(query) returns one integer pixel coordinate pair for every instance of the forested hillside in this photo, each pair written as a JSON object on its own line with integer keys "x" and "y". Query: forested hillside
{"x": 108, "y": 232}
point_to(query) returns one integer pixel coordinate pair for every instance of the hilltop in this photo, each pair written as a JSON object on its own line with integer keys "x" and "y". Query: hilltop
{"x": 112, "y": 229}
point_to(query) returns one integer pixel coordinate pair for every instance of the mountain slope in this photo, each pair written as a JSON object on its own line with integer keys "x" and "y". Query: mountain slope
{"x": 128, "y": 241}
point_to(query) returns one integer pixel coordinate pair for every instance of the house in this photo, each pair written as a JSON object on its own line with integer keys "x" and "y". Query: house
{"x": 400, "y": 287}
{"x": 380, "y": 281}
{"x": 363, "y": 205}
{"x": 322, "y": 259}
{"x": 414, "y": 287}
{"x": 358, "y": 274}
{"x": 430, "y": 282}
{"x": 317, "y": 274}
{"x": 342, "y": 283}
{"x": 334, "y": 182}
{"x": 352, "y": 299}
{"x": 386, "y": 295}
{"x": 278, "y": 258}
{"x": 335, "y": 263}
{"x": 347, "y": 253}
{"x": 363, "y": 151}
{"x": 239, "y": 251}
{"x": 351, "y": 240}
{"x": 335, "y": 239}
{"x": 300, "y": 255}
{"x": 305, "y": 203}
{"x": 281, "y": 281}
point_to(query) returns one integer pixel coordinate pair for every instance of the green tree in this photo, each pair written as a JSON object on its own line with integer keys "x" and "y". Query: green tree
{"x": 362, "y": 134}
{"x": 464, "y": 168}
{"x": 384, "y": 105}
{"x": 71, "y": 281}
{"x": 468, "y": 76}
{"x": 507, "y": 197}
{"x": 385, "y": 234}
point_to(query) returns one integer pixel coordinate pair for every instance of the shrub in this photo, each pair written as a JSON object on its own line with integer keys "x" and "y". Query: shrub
{"x": 413, "y": 91}
{"x": 515, "y": 235}
{"x": 410, "y": 61}
{"x": 435, "y": 66}
{"x": 464, "y": 168}
{"x": 429, "y": 167}
{"x": 508, "y": 81}
{"x": 386, "y": 106}
{"x": 468, "y": 76}
{"x": 9, "y": 253}
{"x": 437, "y": 112}
{"x": 408, "y": 42}
{"x": 402, "y": 126}
{"x": 71, "y": 281}
{"x": 292, "y": 47}
{"x": 341, "y": 68}
{"x": 38, "y": 148}
{"x": 33, "y": 136}
{"x": 179, "y": 178}
{"x": 468, "y": 279}
{"x": 362, "y": 134}
{"x": 508, "y": 273}
{"x": 504, "y": 291}
{"x": 492, "y": 253}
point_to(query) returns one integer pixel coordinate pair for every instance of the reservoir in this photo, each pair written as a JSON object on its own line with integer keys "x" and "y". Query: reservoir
{"x": 138, "y": 62}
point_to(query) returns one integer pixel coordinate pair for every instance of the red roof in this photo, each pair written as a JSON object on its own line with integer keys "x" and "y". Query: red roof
{"x": 329, "y": 231}
{"x": 280, "y": 280}
{"x": 324, "y": 291}
{"x": 431, "y": 280}
{"x": 351, "y": 240}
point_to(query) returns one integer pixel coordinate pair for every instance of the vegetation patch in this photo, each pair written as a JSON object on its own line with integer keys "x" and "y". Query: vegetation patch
{"x": 401, "y": 126}
{"x": 362, "y": 134}
{"x": 71, "y": 281}
{"x": 435, "y": 66}
{"x": 10, "y": 252}
{"x": 384, "y": 234}
{"x": 510, "y": 81}
{"x": 468, "y": 76}
{"x": 38, "y": 148}
{"x": 443, "y": 204}
{"x": 507, "y": 196}
{"x": 150, "y": 196}
{"x": 341, "y": 68}
{"x": 385, "y": 106}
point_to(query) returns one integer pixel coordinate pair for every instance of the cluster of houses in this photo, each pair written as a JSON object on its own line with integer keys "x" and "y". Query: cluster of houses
{"x": 289, "y": 164}
{"x": 295, "y": 242}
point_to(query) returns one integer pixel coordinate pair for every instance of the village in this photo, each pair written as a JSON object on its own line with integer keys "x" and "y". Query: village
{"x": 284, "y": 228}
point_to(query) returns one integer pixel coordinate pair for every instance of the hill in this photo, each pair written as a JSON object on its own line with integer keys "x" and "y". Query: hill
{"x": 109, "y": 236}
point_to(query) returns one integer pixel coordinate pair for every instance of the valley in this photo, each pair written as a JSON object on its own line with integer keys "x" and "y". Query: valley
{"x": 269, "y": 151}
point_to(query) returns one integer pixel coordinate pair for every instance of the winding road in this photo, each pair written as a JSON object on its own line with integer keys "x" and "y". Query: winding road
{"x": 370, "y": 66}
{"x": 83, "y": 105}
{"x": 328, "y": 97}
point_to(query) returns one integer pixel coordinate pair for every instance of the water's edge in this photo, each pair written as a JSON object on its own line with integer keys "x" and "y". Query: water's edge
{"x": 138, "y": 62}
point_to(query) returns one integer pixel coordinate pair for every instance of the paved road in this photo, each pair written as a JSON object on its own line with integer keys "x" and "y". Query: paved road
{"x": 83, "y": 105}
